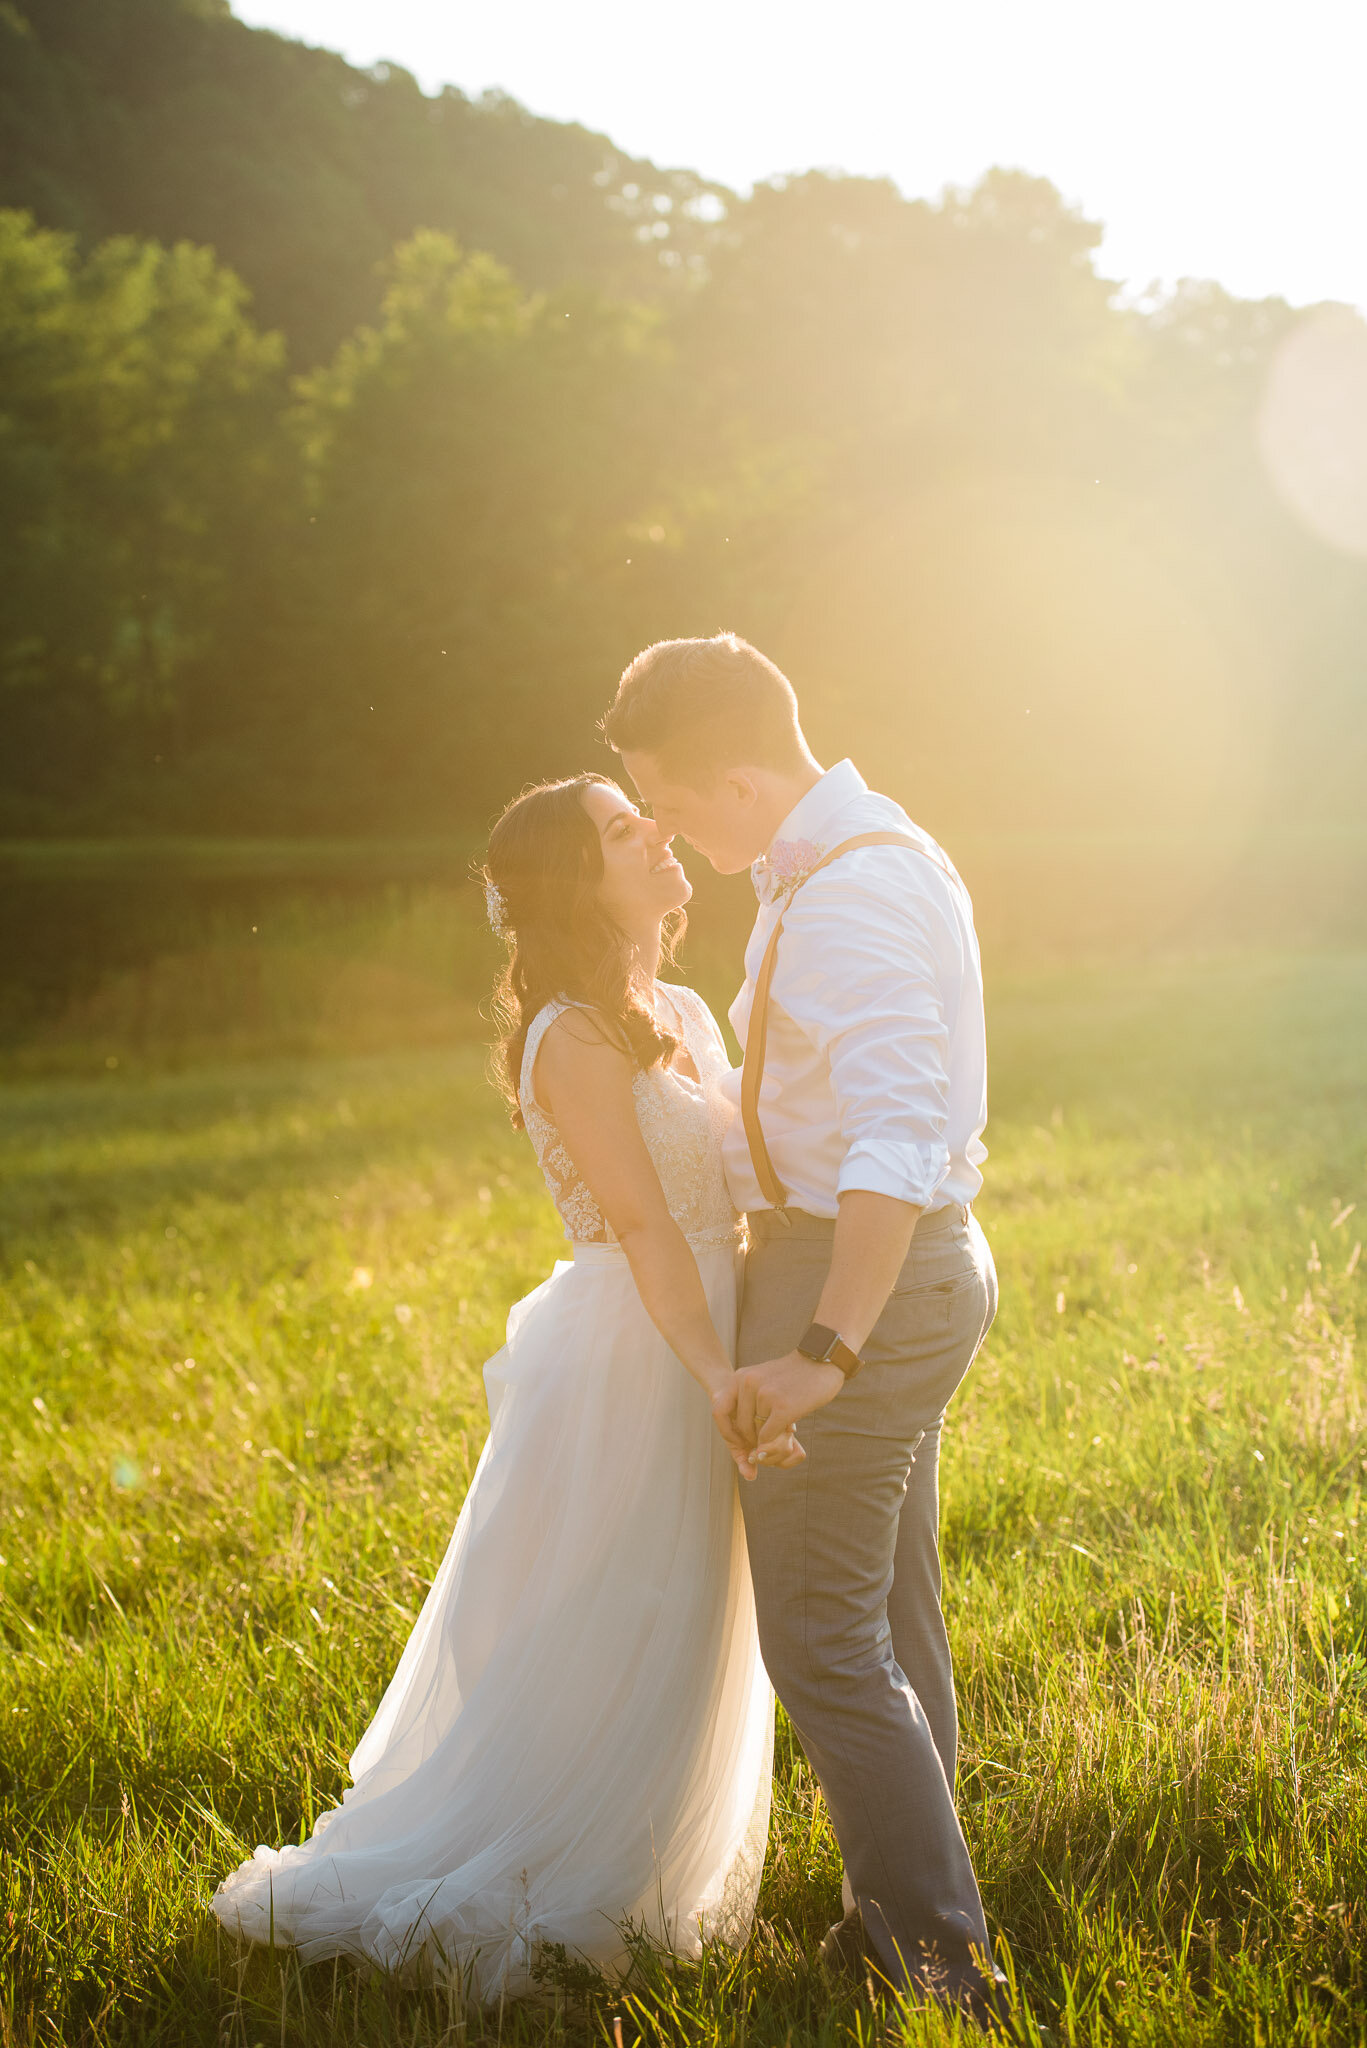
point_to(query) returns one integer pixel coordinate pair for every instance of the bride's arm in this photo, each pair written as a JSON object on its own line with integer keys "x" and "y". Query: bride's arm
{"x": 584, "y": 1084}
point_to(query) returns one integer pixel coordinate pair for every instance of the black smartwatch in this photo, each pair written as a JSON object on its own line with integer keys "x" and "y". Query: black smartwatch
{"x": 827, "y": 1347}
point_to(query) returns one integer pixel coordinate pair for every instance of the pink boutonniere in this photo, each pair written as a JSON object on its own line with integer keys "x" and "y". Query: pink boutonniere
{"x": 790, "y": 863}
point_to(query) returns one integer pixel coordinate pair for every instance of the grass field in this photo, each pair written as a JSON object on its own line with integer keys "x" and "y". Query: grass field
{"x": 243, "y": 1315}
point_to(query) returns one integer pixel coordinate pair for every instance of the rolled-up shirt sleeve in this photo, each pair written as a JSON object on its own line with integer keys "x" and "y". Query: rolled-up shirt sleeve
{"x": 865, "y": 983}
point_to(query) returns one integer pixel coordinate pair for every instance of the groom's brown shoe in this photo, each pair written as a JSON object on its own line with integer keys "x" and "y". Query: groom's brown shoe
{"x": 845, "y": 1949}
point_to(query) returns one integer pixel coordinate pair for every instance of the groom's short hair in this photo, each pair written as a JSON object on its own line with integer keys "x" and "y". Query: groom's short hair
{"x": 699, "y": 707}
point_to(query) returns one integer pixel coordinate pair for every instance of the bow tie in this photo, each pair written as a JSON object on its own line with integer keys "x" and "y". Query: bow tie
{"x": 785, "y": 867}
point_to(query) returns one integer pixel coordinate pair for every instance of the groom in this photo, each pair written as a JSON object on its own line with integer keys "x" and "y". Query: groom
{"x": 869, "y": 1284}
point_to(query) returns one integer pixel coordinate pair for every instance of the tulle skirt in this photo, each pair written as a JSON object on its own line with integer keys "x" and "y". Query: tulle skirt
{"x": 576, "y": 1745}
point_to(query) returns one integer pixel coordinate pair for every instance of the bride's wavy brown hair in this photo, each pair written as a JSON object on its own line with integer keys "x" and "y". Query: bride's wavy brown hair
{"x": 545, "y": 859}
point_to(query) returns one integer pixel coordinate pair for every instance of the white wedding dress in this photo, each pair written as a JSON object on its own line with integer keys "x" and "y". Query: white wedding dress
{"x": 577, "y": 1740}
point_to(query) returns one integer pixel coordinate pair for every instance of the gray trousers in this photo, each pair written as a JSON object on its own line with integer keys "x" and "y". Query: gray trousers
{"x": 844, "y": 1552}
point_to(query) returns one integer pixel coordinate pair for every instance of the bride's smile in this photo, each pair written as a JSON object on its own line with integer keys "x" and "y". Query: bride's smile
{"x": 642, "y": 880}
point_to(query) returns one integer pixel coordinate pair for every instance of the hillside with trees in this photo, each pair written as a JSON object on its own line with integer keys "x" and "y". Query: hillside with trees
{"x": 170, "y": 120}
{"x": 352, "y": 439}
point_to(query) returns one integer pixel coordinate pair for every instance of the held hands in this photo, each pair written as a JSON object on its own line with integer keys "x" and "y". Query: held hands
{"x": 757, "y": 1410}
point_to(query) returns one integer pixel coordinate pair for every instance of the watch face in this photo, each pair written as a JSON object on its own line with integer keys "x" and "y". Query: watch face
{"x": 819, "y": 1343}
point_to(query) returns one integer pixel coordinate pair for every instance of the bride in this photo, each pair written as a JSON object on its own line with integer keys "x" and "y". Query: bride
{"x": 577, "y": 1741}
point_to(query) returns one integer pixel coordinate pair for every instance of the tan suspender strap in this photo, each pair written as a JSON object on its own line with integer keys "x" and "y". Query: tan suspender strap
{"x": 757, "y": 1031}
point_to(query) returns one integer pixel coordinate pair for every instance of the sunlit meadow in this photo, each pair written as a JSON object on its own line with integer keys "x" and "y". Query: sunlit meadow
{"x": 243, "y": 1317}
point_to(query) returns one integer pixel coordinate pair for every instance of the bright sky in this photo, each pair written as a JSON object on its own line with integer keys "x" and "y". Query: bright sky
{"x": 1214, "y": 138}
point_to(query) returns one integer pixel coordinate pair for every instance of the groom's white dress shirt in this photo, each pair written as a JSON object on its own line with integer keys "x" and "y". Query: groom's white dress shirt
{"x": 875, "y": 1074}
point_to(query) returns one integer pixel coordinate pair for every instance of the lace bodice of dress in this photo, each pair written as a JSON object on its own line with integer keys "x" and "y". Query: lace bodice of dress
{"x": 682, "y": 1122}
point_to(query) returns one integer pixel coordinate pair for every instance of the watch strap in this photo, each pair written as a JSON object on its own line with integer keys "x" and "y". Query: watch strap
{"x": 827, "y": 1347}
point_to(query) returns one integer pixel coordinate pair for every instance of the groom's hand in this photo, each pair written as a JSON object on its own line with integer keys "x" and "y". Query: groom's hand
{"x": 772, "y": 1398}
{"x": 778, "y": 1449}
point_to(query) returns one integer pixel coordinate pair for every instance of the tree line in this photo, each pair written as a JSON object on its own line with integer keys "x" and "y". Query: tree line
{"x": 351, "y": 441}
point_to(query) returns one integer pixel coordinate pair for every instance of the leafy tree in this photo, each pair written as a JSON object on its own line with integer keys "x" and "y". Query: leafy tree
{"x": 896, "y": 335}
{"x": 139, "y": 456}
{"x": 475, "y": 464}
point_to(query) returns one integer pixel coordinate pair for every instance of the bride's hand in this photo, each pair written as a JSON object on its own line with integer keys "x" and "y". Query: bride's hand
{"x": 781, "y": 1452}
{"x": 724, "y": 1415}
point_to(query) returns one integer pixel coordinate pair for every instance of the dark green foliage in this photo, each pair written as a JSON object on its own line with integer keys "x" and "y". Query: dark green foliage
{"x": 169, "y": 119}
{"x": 475, "y": 462}
{"x": 143, "y": 465}
{"x": 1013, "y": 540}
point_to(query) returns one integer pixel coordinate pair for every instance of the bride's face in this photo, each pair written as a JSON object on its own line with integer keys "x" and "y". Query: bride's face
{"x": 642, "y": 882}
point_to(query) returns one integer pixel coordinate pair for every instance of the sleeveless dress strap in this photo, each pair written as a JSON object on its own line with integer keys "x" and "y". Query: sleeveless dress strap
{"x": 698, "y": 1027}
{"x": 677, "y": 997}
{"x": 536, "y": 1031}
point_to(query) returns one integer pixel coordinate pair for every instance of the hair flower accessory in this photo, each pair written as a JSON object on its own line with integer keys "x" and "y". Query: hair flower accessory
{"x": 495, "y": 909}
{"x": 787, "y": 866}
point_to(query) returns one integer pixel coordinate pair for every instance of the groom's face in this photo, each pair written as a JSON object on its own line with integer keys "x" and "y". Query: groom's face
{"x": 722, "y": 822}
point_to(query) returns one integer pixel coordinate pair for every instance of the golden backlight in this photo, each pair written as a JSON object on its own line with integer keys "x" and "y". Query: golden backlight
{"x": 1312, "y": 427}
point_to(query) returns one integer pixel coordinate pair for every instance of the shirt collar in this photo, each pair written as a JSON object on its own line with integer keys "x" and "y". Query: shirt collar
{"x": 811, "y": 816}
{"x": 812, "y": 813}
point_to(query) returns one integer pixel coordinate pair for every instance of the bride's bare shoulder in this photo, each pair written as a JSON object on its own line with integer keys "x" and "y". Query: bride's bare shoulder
{"x": 580, "y": 1028}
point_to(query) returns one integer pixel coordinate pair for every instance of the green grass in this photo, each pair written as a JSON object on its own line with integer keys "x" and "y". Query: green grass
{"x": 1155, "y": 1537}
